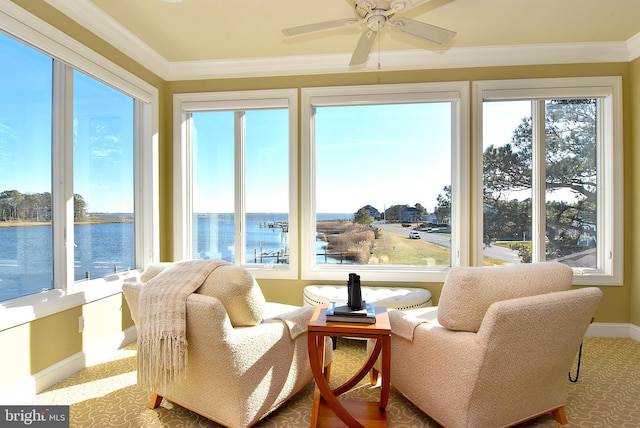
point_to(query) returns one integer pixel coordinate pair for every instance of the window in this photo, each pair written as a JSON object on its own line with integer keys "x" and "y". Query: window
{"x": 104, "y": 232}
{"x": 381, "y": 162}
{"x": 76, "y": 147}
{"x": 239, "y": 198}
{"x": 25, "y": 170}
{"x": 551, "y": 174}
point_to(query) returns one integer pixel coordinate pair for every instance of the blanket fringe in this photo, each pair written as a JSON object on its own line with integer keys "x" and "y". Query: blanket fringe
{"x": 161, "y": 361}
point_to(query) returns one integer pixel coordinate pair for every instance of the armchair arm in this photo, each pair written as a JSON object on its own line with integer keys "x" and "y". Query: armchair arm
{"x": 434, "y": 358}
{"x": 207, "y": 317}
{"x": 404, "y": 323}
{"x": 205, "y": 314}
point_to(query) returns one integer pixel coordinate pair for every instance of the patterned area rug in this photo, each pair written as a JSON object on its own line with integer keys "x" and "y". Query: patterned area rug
{"x": 106, "y": 395}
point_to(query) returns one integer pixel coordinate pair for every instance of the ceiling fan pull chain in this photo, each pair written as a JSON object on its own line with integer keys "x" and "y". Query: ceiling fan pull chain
{"x": 379, "y": 37}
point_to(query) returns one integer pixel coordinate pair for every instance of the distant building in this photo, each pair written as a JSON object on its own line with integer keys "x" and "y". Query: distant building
{"x": 410, "y": 214}
{"x": 373, "y": 213}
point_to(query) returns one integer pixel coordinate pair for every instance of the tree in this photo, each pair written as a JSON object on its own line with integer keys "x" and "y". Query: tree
{"x": 399, "y": 213}
{"x": 26, "y": 207}
{"x": 362, "y": 216}
{"x": 9, "y": 201}
{"x": 443, "y": 209}
{"x": 394, "y": 213}
{"x": 570, "y": 132}
{"x": 509, "y": 220}
{"x": 79, "y": 207}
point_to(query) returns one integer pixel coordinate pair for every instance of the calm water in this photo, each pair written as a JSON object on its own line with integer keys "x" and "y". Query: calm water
{"x": 214, "y": 235}
{"x": 26, "y": 259}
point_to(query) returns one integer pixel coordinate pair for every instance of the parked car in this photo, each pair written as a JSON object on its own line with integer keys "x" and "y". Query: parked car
{"x": 414, "y": 234}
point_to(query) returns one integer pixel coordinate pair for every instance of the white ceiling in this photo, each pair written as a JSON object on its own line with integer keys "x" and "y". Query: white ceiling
{"x": 214, "y": 38}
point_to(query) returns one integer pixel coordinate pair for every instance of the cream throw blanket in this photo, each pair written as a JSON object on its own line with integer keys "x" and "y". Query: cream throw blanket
{"x": 162, "y": 309}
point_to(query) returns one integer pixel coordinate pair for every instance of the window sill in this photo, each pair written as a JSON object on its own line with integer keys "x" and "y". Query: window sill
{"x": 28, "y": 308}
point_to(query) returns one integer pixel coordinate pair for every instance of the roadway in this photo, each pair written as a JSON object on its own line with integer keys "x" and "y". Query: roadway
{"x": 444, "y": 240}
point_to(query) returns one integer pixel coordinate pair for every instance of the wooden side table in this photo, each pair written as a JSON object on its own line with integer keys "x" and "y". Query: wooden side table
{"x": 327, "y": 409}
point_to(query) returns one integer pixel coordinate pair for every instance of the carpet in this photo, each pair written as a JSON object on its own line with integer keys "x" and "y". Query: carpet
{"x": 106, "y": 394}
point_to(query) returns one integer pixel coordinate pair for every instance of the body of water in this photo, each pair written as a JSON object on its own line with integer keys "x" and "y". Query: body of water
{"x": 214, "y": 236}
{"x": 26, "y": 259}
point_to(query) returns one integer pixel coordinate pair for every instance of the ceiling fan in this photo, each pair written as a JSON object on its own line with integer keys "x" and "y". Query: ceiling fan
{"x": 375, "y": 14}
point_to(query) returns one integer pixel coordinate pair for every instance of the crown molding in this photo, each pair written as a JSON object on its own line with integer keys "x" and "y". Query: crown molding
{"x": 418, "y": 59}
{"x": 94, "y": 19}
{"x": 102, "y": 25}
{"x": 633, "y": 45}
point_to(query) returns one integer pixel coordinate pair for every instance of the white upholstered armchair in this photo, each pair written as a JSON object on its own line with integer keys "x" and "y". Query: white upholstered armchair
{"x": 246, "y": 356}
{"x": 501, "y": 347}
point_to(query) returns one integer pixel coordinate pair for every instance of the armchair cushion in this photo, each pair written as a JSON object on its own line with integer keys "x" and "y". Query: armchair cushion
{"x": 469, "y": 291}
{"x": 152, "y": 270}
{"x": 238, "y": 292}
{"x": 234, "y": 286}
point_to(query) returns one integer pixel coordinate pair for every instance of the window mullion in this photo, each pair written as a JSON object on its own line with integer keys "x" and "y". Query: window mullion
{"x": 239, "y": 203}
{"x": 62, "y": 191}
{"x": 183, "y": 186}
{"x": 538, "y": 179}
{"x": 146, "y": 187}
{"x": 605, "y": 202}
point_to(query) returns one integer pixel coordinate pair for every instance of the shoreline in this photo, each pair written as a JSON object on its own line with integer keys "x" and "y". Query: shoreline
{"x": 89, "y": 220}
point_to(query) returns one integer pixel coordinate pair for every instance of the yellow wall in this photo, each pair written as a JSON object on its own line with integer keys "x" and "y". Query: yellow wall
{"x": 32, "y": 347}
{"x": 36, "y": 345}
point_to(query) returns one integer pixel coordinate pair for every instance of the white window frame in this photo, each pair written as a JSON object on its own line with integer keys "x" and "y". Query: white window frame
{"x": 610, "y": 217}
{"x": 457, "y": 93}
{"x": 186, "y": 104}
{"x": 70, "y": 54}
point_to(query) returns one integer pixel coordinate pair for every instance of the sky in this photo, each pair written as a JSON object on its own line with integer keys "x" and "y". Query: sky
{"x": 382, "y": 156}
{"x": 366, "y": 155}
{"x": 102, "y": 127}
{"x": 500, "y": 119}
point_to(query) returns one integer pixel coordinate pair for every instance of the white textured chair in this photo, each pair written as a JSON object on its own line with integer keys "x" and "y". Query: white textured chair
{"x": 500, "y": 350}
{"x": 246, "y": 357}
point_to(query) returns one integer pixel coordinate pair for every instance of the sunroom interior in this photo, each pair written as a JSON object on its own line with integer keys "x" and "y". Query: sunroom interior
{"x": 177, "y": 59}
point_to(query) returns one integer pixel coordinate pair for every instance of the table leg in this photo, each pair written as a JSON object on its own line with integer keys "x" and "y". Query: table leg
{"x": 386, "y": 371}
{"x": 315, "y": 360}
{"x": 316, "y": 354}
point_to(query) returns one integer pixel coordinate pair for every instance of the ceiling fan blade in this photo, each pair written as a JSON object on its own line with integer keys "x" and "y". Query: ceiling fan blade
{"x": 318, "y": 26}
{"x": 423, "y": 31}
{"x": 363, "y": 48}
{"x": 405, "y": 5}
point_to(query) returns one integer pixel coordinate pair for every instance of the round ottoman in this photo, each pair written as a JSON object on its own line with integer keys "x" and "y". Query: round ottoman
{"x": 400, "y": 298}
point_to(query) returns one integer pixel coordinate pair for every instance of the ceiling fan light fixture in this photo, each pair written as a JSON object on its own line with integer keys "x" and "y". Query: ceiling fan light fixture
{"x": 376, "y": 22}
{"x": 375, "y": 14}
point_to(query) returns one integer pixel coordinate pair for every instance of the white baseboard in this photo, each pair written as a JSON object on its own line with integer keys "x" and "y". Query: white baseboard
{"x": 25, "y": 389}
{"x": 617, "y": 330}
{"x": 634, "y": 332}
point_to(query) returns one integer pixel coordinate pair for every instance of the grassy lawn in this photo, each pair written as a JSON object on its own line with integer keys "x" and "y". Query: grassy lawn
{"x": 397, "y": 248}
{"x": 508, "y": 244}
{"x": 394, "y": 248}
